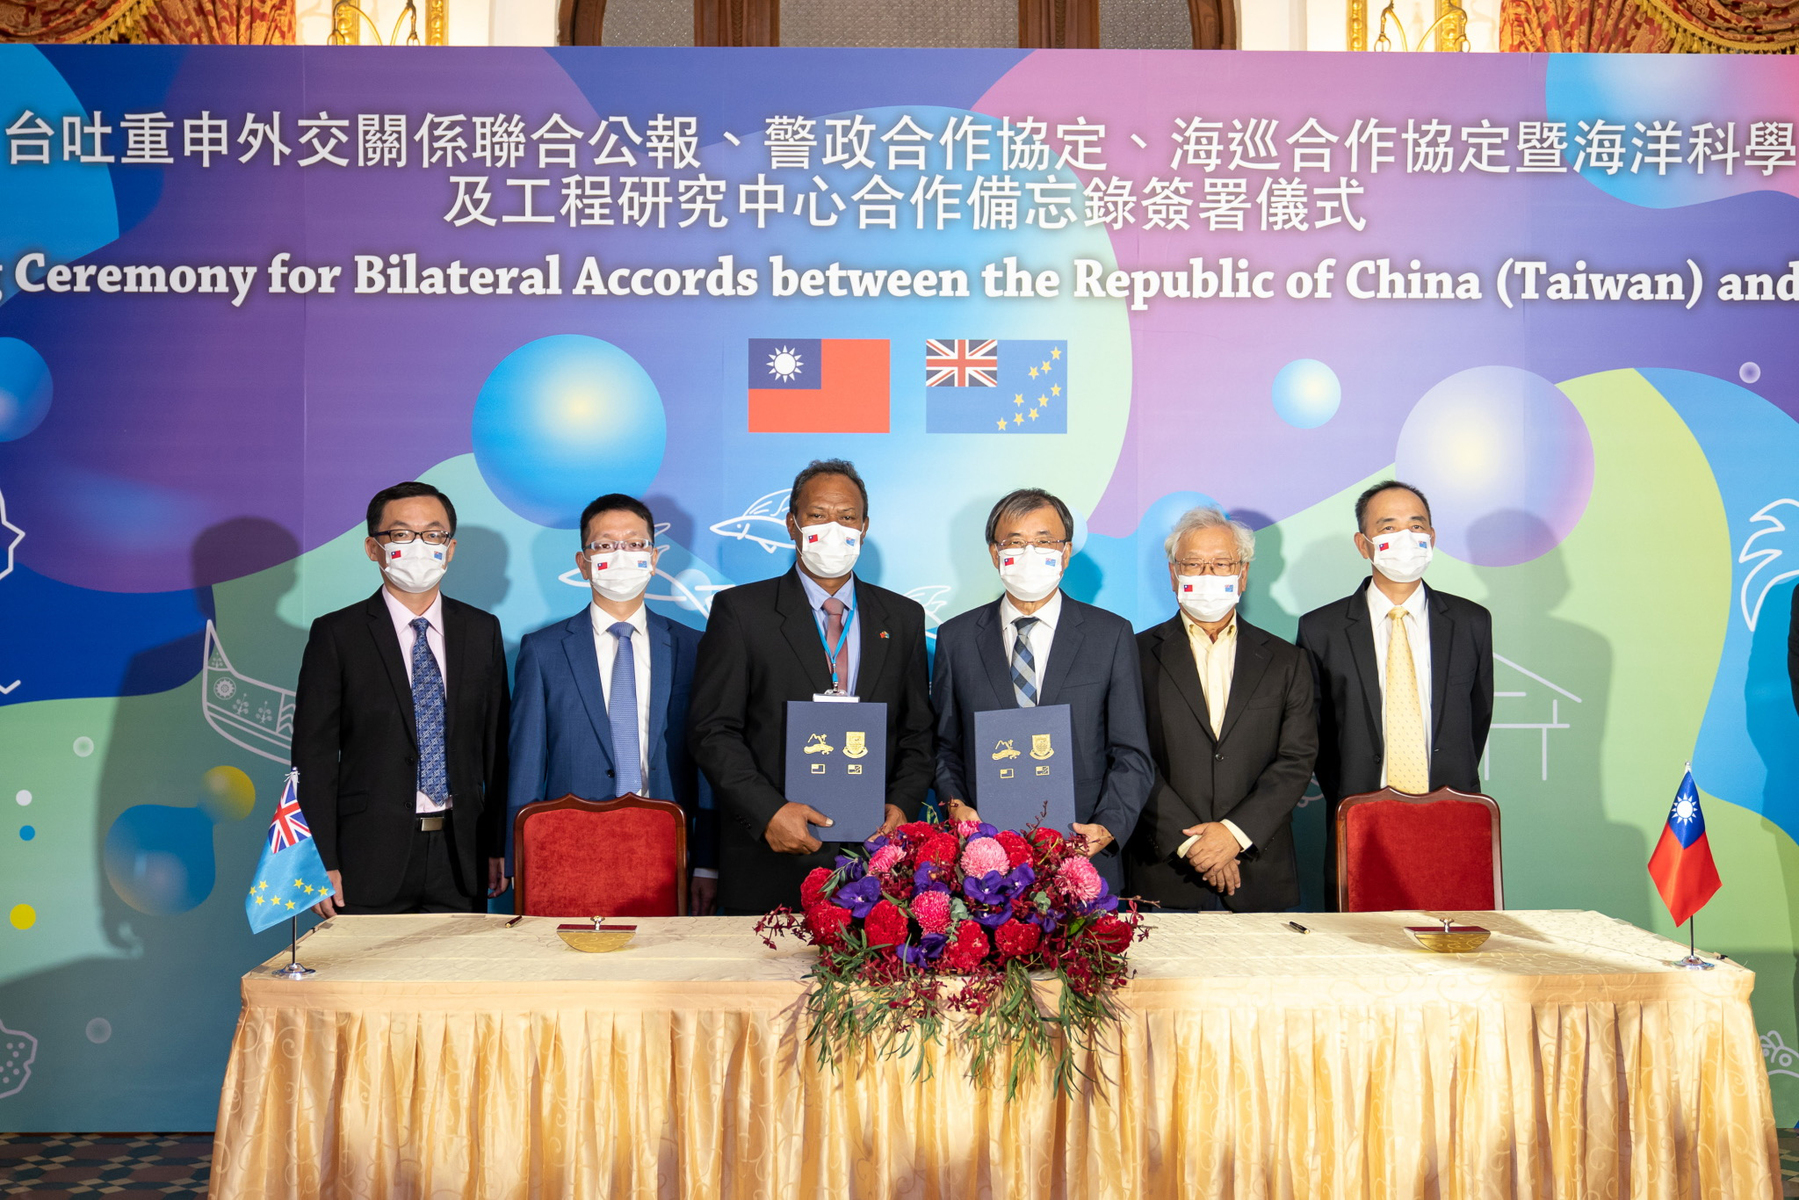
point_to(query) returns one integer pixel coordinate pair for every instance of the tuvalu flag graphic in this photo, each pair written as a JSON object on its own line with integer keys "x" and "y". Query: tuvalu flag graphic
{"x": 818, "y": 385}
{"x": 995, "y": 386}
{"x": 1682, "y": 864}
{"x": 291, "y": 876}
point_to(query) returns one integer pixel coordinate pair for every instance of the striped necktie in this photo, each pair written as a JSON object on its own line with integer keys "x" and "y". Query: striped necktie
{"x": 1024, "y": 664}
{"x": 428, "y": 715}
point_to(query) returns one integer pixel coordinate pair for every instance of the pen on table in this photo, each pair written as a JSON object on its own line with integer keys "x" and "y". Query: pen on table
{"x": 515, "y": 920}
{"x": 1296, "y": 927}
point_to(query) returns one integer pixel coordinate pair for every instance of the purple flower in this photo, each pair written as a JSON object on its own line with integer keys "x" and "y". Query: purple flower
{"x": 852, "y": 868}
{"x": 1104, "y": 902}
{"x": 930, "y": 878}
{"x": 993, "y": 919}
{"x": 985, "y": 889}
{"x": 876, "y": 842}
{"x": 859, "y": 896}
{"x": 929, "y": 950}
{"x": 984, "y": 830}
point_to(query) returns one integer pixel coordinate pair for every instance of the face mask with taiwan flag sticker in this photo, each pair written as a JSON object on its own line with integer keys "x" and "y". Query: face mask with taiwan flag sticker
{"x": 621, "y": 575}
{"x": 1030, "y": 574}
{"x": 1401, "y": 555}
{"x": 416, "y": 566}
{"x": 830, "y": 550}
{"x": 1207, "y": 598}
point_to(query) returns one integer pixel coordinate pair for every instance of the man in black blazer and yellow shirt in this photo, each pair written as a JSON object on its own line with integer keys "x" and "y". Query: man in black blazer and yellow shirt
{"x": 1430, "y": 732}
{"x": 813, "y": 630}
{"x": 1232, "y": 733}
{"x": 400, "y": 727}
{"x": 1035, "y": 645}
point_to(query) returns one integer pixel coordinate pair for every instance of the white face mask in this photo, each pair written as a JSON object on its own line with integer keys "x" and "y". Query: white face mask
{"x": 1030, "y": 574}
{"x": 830, "y": 550}
{"x": 416, "y": 566}
{"x": 1207, "y": 598}
{"x": 621, "y": 575}
{"x": 1402, "y": 555}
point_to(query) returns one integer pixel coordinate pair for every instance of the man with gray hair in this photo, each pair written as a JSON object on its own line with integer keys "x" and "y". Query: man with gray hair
{"x": 1232, "y": 733}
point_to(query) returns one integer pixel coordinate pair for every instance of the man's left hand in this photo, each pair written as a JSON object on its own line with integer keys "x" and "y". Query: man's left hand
{"x": 1214, "y": 848}
{"x": 1098, "y": 837}
{"x": 893, "y": 820}
{"x": 703, "y": 896}
{"x": 497, "y": 880}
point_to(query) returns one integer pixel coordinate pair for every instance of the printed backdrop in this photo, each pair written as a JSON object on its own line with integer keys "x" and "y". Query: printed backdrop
{"x": 240, "y": 291}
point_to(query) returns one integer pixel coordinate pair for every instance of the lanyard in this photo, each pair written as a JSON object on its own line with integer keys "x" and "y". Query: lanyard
{"x": 849, "y": 615}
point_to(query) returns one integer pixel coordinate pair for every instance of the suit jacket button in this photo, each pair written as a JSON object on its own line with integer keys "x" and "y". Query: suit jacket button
{"x": 1218, "y": 757}
{"x": 609, "y": 774}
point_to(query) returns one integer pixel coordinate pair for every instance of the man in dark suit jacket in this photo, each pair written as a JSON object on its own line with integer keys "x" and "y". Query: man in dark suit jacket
{"x": 571, "y": 732}
{"x": 1072, "y": 653}
{"x": 400, "y": 727}
{"x": 1232, "y": 733}
{"x": 813, "y": 630}
{"x": 1369, "y": 735}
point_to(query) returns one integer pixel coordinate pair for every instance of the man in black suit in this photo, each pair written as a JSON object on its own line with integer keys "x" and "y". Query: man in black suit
{"x": 1232, "y": 733}
{"x": 1035, "y": 645}
{"x": 1431, "y": 732}
{"x": 817, "y": 629}
{"x": 400, "y": 727}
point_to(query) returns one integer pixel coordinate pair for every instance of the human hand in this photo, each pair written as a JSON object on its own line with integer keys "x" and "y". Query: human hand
{"x": 1214, "y": 847}
{"x": 328, "y": 907}
{"x": 1098, "y": 837}
{"x": 788, "y": 830}
{"x": 703, "y": 896}
{"x": 958, "y": 811}
{"x": 1226, "y": 878}
{"x": 892, "y": 819}
{"x": 497, "y": 880}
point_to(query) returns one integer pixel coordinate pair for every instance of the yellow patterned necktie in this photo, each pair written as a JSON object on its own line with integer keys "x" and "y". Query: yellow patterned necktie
{"x": 1408, "y": 767}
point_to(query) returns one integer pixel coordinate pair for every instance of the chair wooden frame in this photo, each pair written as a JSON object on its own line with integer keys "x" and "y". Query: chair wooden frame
{"x": 1442, "y": 793}
{"x": 521, "y": 857}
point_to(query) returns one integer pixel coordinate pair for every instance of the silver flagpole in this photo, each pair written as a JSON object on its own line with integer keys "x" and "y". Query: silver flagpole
{"x": 1692, "y": 961}
{"x": 293, "y": 969}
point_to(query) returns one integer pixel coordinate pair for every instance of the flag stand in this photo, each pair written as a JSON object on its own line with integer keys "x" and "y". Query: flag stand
{"x": 293, "y": 969}
{"x": 1692, "y": 961}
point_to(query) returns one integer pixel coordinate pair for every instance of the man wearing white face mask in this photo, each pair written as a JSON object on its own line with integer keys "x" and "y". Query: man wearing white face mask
{"x": 1232, "y": 733}
{"x": 1404, "y": 672}
{"x": 600, "y": 706}
{"x": 1034, "y": 646}
{"x": 400, "y": 727}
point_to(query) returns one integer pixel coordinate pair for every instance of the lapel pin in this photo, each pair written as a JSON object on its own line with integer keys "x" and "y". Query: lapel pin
{"x": 883, "y": 634}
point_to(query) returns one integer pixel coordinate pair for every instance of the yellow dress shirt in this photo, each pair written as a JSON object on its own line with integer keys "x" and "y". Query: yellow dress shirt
{"x": 1215, "y": 658}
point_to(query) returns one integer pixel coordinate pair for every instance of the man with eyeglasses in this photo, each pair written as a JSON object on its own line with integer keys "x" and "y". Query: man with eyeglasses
{"x": 600, "y": 707}
{"x": 1232, "y": 733}
{"x": 400, "y": 727}
{"x": 1034, "y": 645}
{"x": 1404, "y": 672}
{"x": 817, "y": 630}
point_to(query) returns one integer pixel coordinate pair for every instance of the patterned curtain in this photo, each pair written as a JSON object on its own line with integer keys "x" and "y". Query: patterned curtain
{"x": 1651, "y": 26}
{"x": 163, "y": 22}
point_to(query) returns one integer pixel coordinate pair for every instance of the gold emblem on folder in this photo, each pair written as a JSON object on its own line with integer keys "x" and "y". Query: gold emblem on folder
{"x": 1040, "y": 747}
{"x": 855, "y": 745}
{"x": 1004, "y": 750}
{"x": 817, "y": 744}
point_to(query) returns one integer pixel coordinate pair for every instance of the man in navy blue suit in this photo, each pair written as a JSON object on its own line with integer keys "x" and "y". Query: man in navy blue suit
{"x": 601, "y": 698}
{"x": 1036, "y": 646}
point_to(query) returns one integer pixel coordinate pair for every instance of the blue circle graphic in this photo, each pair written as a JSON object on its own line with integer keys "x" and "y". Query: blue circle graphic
{"x": 564, "y": 419}
{"x": 26, "y": 833}
{"x": 1306, "y": 393}
{"x": 24, "y": 389}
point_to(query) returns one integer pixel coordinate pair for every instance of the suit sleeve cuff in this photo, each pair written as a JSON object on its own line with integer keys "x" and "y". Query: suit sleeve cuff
{"x": 1243, "y": 840}
{"x": 1180, "y": 851}
{"x": 704, "y": 873}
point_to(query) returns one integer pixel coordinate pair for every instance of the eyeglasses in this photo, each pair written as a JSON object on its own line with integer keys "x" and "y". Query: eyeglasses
{"x": 1209, "y": 568}
{"x": 610, "y": 547}
{"x": 1014, "y": 545}
{"x": 400, "y": 537}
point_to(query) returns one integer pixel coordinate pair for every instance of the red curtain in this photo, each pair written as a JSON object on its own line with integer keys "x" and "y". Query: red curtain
{"x": 166, "y": 22}
{"x": 1650, "y": 26}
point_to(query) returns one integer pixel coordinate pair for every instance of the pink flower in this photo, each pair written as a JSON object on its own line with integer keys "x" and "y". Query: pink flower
{"x": 1079, "y": 879}
{"x": 965, "y": 829}
{"x": 885, "y": 858}
{"x": 931, "y": 910}
{"x": 983, "y": 855}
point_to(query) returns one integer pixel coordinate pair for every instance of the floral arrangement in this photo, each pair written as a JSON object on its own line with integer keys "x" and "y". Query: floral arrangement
{"x": 938, "y": 919}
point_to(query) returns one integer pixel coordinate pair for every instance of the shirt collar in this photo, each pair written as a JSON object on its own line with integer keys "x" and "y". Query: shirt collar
{"x": 404, "y": 616}
{"x": 1194, "y": 632}
{"x": 1379, "y": 606}
{"x": 816, "y": 595}
{"x": 1049, "y": 614}
{"x": 603, "y": 621}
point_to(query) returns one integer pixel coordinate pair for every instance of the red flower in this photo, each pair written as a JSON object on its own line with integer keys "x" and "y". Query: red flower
{"x": 812, "y": 890}
{"x": 826, "y": 922}
{"x": 1018, "y": 851}
{"x": 939, "y": 848}
{"x": 1046, "y": 840}
{"x": 916, "y": 831}
{"x": 1113, "y": 934}
{"x": 967, "y": 950}
{"x": 885, "y": 925}
{"x": 1016, "y": 937}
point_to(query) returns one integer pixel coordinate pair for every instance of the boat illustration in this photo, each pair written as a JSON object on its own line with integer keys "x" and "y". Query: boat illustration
{"x": 248, "y": 712}
{"x": 764, "y": 522}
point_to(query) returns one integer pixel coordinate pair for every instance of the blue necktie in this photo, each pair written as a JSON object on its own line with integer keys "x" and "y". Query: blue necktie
{"x": 1024, "y": 664}
{"x": 622, "y": 712}
{"x": 428, "y": 715}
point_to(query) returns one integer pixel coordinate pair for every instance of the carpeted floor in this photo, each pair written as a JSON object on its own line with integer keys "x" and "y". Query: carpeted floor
{"x": 153, "y": 1166}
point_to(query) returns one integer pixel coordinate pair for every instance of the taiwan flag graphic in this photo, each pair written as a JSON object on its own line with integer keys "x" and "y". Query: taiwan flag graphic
{"x": 1011, "y": 386}
{"x": 818, "y": 385}
{"x": 1682, "y": 864}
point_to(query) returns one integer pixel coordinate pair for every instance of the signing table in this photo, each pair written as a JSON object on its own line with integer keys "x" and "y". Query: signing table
{"x": 449, "y": 1056}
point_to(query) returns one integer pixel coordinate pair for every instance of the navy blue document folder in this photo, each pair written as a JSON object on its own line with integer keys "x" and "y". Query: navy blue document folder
{"x": 1023, "y": 767}
{"x": 837, "y": 763}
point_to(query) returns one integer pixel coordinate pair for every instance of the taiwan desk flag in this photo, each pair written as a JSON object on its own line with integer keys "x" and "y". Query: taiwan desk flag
{"x": 818, "y": 385}
{"x": 291, "y": 875}
{"x": 1682, "y": 864}
{"x": 994, "y": 386}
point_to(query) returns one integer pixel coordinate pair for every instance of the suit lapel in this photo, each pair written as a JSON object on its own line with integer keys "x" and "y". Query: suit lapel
{"x": 1360, "y": 630}
{"x": 871, "y": 623}
{"x": 1442, "y": 635}
{"x": 1062, "y": 650}
{"x": 387, "y": 649}
{"x": 990, "y": 642}
{"x": 584, "y": 664}
{"x": 662, "y": 673}
{"x": 1246, "y": 673}
{"x": 800, "y": 627}
{"x": 456, "y": 650}
{"x": 1175, "y": 653}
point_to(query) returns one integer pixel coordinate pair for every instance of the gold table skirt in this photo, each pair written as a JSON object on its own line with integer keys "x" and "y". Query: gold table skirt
{"x": 450, "y": 1057}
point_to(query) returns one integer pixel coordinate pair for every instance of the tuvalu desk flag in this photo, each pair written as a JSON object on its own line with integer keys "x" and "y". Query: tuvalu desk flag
{"x": 291, "y": 875}
{"x": 1682, "y": 864}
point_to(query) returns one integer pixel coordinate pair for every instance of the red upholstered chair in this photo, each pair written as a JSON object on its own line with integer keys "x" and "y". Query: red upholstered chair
{"x": 612, "y": 858}
{"x": 1398, "y": 851}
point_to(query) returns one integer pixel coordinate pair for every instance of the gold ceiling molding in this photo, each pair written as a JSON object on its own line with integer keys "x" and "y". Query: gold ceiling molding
{"x": 1690, "y": 37}
{"x": 348, "y": 16}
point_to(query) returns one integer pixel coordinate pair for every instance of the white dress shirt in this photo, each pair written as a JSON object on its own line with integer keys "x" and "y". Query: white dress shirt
{"x": 1417, "y": 632}
{"x": 605, "y": 646}
{"x": 403, "y": 618}
{"x": 1041, "y": 636}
